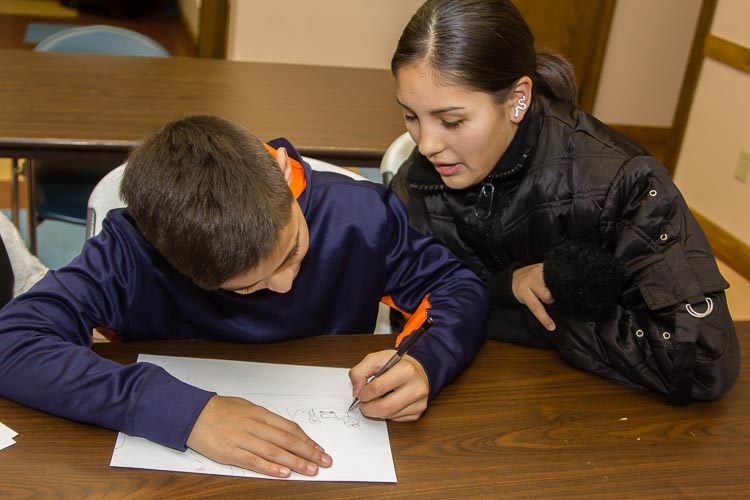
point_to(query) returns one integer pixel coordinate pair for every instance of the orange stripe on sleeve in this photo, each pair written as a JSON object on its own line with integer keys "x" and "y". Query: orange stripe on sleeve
{"x": 413, "y": 320}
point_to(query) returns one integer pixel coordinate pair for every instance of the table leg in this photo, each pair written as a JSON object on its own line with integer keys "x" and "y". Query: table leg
{"x": 15, "y": 171}
{"x": 30, "y": 206}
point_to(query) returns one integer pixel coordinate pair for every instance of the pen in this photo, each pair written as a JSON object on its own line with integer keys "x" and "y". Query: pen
{"x": 400, "y": 353}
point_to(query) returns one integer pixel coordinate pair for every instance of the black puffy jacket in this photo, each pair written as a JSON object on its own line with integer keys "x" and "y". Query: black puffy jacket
{"x": 568, "y": 179}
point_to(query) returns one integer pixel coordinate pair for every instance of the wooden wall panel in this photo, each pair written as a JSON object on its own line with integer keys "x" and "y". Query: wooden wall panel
{"x": 579, "y": 30}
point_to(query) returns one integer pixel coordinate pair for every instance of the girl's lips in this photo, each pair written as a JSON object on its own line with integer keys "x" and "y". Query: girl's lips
{"x": 447, "y": 170}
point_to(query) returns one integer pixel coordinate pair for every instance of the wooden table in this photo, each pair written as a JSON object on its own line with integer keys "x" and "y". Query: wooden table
{"x": 86, "y": 105}
{"x": 518, "y": 422}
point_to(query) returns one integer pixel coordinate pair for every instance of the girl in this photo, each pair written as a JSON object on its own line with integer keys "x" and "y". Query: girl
{"x": 581, "y": 236}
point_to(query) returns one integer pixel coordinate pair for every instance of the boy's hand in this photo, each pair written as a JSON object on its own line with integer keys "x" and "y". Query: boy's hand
{"x": 400, "y": 394}
{"x": 234, "y": 431}
{"x": 530, "y": 290}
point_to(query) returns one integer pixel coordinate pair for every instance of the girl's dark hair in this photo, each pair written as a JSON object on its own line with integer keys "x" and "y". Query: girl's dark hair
{"x": 208, "y": 196}
{"x": 483, "y": 45}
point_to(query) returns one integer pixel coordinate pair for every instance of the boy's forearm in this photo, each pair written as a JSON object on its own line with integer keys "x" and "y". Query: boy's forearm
{"x": 71, "y": 381}
{"x": 166, "y": 410}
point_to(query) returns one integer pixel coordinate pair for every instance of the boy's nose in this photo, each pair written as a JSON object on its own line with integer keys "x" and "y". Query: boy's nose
{"x": 281, "y": 282}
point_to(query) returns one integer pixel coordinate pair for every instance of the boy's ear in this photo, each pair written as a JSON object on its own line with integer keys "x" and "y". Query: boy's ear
{"x": 282, "y": 159}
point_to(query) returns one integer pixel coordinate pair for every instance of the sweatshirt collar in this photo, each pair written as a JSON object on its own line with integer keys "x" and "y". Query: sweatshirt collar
{"x": 298, "y": 182}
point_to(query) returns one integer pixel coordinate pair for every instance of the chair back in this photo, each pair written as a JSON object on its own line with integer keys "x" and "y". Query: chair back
{"x": 104, "y": 197}
{"x": 322, "y": 166}
{"x": 19, "y": 269}
{"x": 395, "y": 155}
{"x": 102, "y": 39}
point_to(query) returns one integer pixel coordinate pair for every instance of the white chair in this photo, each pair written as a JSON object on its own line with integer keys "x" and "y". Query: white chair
{"x": 106, "y": 197}
{"x": 19, "y": 269}
{"x": 322, "y": 166}
{"x": 395, "y": 155}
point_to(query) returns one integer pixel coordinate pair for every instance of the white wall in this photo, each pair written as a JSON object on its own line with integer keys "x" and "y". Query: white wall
{"x": 647, "y": 53}
{"x": 717, "y": 130}
{"x": 354, "y": 33}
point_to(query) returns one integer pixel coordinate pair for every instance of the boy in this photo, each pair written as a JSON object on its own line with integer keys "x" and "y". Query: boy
{"x": 229, "y": 239}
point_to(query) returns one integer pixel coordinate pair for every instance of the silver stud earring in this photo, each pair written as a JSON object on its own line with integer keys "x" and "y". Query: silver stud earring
{"x": 520, "y": 106}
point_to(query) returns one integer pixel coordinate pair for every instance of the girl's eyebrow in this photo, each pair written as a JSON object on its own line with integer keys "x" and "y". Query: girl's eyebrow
{"x": 434, "y": 111}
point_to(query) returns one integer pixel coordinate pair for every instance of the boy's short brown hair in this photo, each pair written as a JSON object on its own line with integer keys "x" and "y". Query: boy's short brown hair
{"x": 208, "y": 196}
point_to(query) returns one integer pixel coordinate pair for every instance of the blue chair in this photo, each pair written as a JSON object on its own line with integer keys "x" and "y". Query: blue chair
{"x": 102, "y": 39}
{"x": 62, "y": 187}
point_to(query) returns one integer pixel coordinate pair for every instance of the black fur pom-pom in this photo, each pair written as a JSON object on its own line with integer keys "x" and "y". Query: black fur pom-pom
{"x": 585, "y": 280}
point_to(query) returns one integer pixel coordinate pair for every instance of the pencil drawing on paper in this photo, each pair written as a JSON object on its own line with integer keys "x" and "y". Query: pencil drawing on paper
{"x": 304, "y": 414}
{"x": 321, "y": 416}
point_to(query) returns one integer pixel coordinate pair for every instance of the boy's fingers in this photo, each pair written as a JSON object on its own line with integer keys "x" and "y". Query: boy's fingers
{"x": 278, "y": 451}
{"x": 237, "y": 432}
{"x": 410, "y": 413}
{"x": 401, "y": 393}
{"x": 289, "y": 436}
{"x": 362, "y": 371}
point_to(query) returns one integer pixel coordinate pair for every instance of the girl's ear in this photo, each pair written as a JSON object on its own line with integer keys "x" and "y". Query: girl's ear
{"x": 520, "y": 99}
{"x": 282, "y": 159}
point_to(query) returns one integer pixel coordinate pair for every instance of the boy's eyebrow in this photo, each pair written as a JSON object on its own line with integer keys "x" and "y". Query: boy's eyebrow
{"x": 291, "y": 253}
{"x": 434, "y": 111}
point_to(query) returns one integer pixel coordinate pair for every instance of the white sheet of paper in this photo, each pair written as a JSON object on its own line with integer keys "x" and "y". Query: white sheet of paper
{"x": 6, "y": 436}
{"x": 7, "y": 432}
{"x": 314, "y": 397}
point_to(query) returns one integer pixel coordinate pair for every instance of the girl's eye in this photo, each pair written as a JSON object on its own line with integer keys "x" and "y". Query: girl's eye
{"x": 409, "y": 118}
{"x": 452, "y": 124}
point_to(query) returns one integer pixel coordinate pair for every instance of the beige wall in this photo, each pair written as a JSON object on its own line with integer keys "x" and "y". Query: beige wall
{"x": 717, "y": 130}
{"x": 731, "y": 21}
{"x": 649, "y": 45}
{"x": 641, "y": 76}
{"x": 358, "y": 33}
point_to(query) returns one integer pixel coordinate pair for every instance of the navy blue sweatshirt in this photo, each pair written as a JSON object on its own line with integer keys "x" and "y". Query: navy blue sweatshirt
{"x": 361, "y": 250}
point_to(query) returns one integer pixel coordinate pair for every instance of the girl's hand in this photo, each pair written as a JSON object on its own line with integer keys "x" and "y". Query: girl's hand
{"x": 530, "y": 290}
